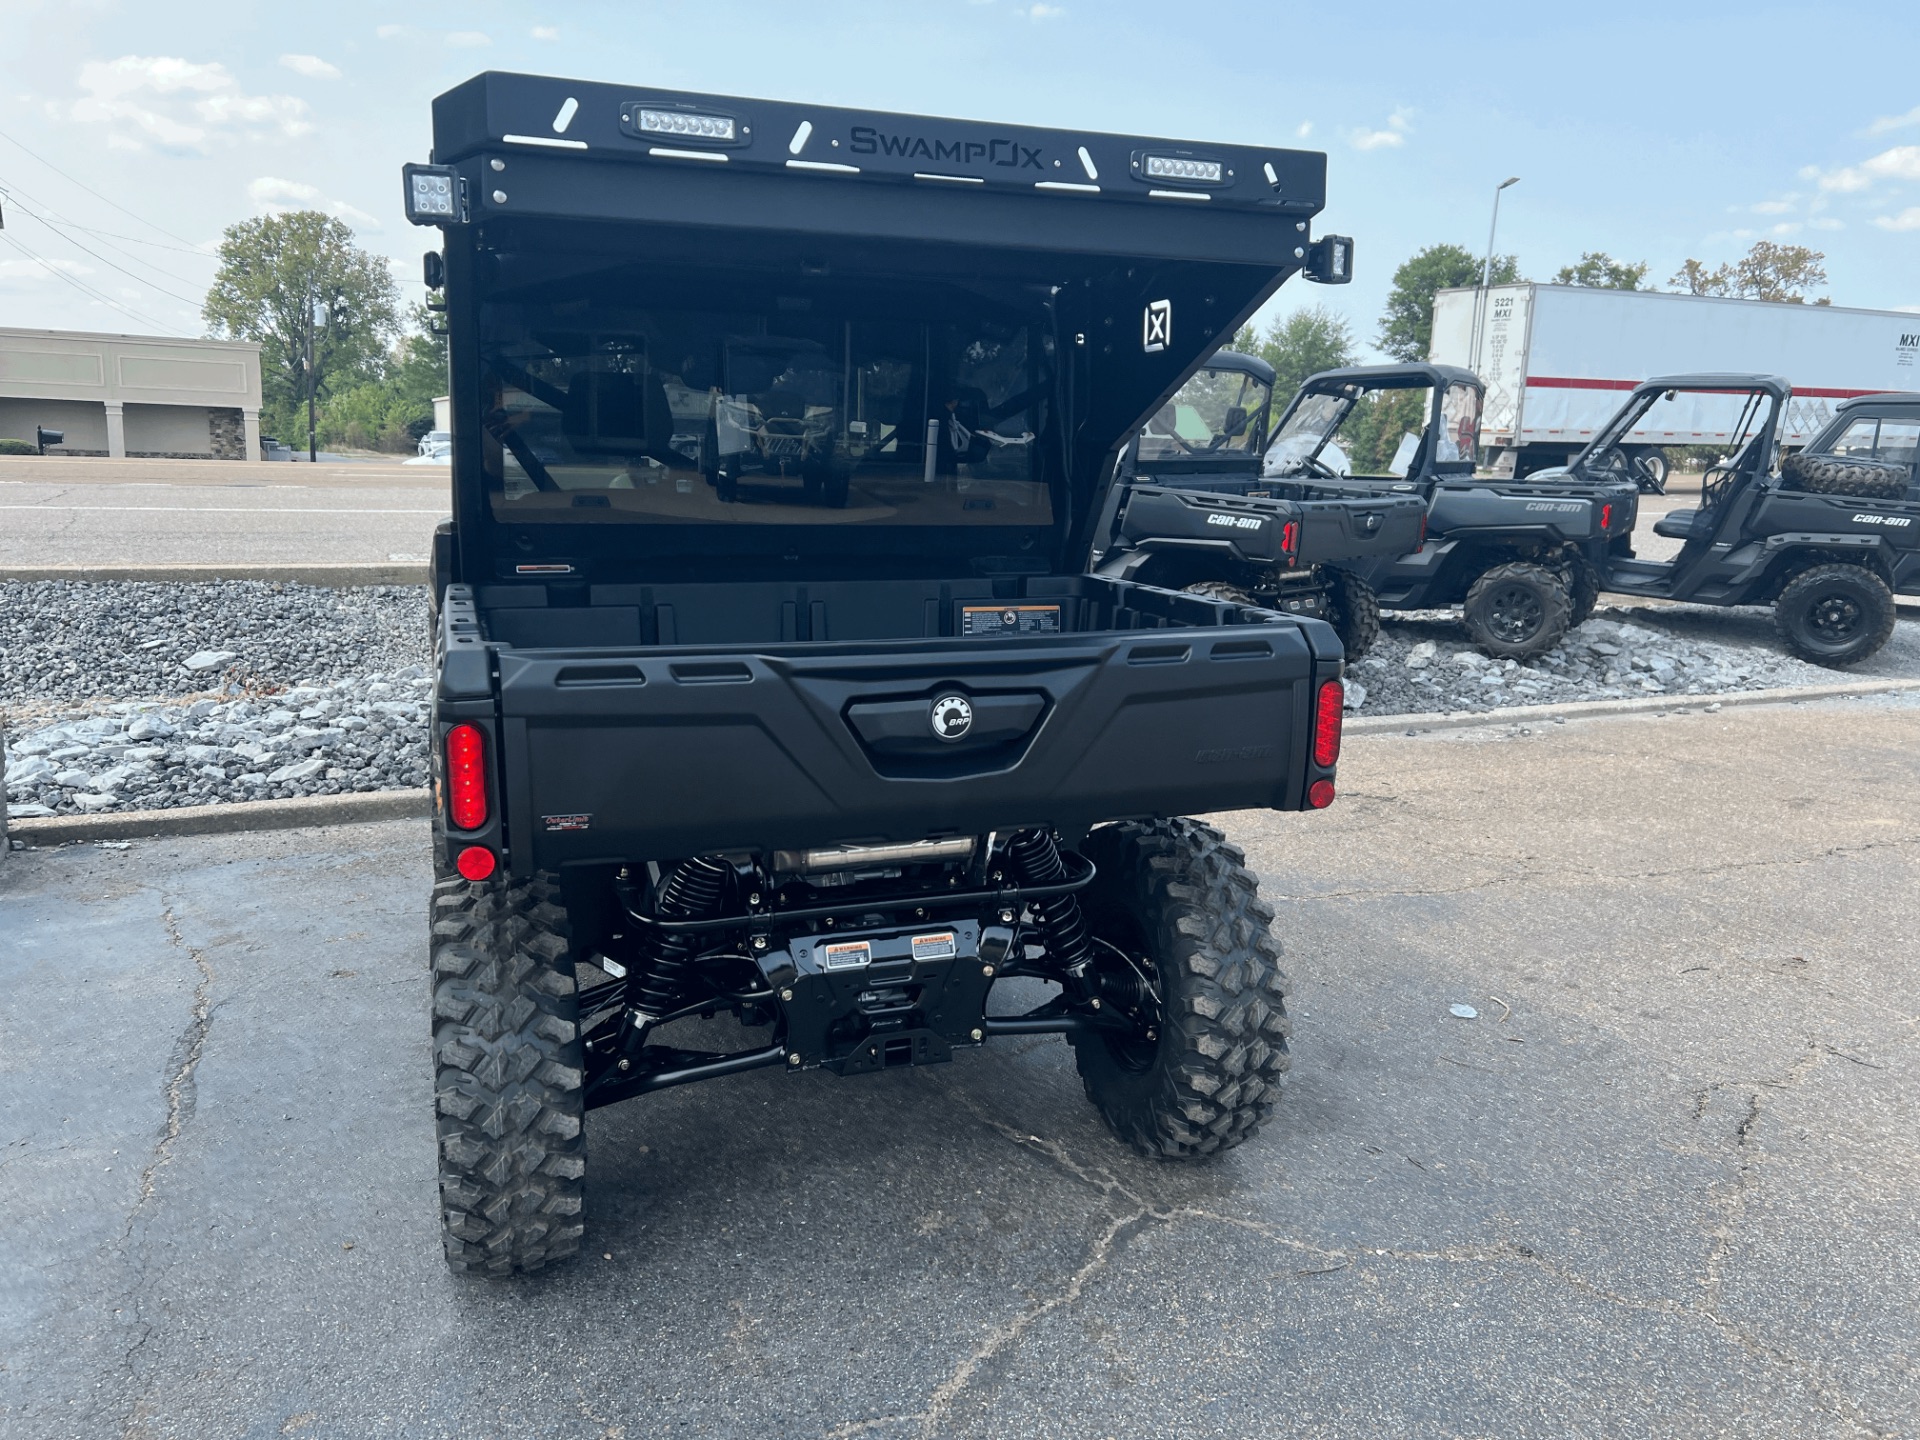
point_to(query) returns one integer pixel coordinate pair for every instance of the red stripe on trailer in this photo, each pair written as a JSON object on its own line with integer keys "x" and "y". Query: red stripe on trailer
{"x": 1565, "y": 382}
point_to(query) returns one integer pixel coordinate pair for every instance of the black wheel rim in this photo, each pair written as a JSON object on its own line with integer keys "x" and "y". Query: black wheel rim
{"x": 1835, "y": 619}
{"x": 1514, "y": 613}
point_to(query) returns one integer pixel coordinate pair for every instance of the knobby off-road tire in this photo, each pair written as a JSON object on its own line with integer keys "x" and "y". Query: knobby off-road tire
{"x": 1518, "y": 610}
{"x": 507, "y": 1075}
{"x": 1174, "y": 895}
{"x": 1844, "y": 475}
{"x": 1583, "y": 591}
{"x": 1835, "y": 614}
{"x": 1353, "y": 610}
{"x": 1220, "y": 590}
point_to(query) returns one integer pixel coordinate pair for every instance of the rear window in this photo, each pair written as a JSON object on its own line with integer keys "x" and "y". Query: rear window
{"x": 1873, "y": 437}
{"x": 805, "y": 413}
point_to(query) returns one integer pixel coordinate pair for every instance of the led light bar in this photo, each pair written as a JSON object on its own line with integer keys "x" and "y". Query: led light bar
{"x": 1173, "y": 167}
{"x": 685, "y": 124}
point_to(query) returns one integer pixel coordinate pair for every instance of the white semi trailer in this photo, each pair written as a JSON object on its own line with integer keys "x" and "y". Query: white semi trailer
{"x": 1559, "y": 359}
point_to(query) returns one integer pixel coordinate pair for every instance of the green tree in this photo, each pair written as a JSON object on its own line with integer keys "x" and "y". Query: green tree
{"x": 296, "y": 283}
{"x": 1304, "y": 343}
{"x": 1598, "y": 270}
{"x": 1768, "y": 271}
{"x": 1406, "y": 325}
{"x": 393, "y": 411}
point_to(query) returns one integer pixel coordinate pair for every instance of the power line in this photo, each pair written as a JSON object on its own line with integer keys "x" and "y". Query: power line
{"x": 84, "y": 288}
{"x": 171, "y": 295}
{"x": 107, "y": 237}
{"x": 95, "y": 193}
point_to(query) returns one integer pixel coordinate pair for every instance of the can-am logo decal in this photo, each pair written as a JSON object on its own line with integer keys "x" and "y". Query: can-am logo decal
{"x": 994, "y": 150}
{"x": 1894, "y": 520}
{"x": 1572, "y": 508}
{"x": 951, "y": 717}
{"x": 1156, "y": 326}
{"x": 1236, "y": 522}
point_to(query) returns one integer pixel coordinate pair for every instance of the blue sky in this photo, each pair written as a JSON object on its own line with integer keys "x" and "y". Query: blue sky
{"x": 1653, "y": 132}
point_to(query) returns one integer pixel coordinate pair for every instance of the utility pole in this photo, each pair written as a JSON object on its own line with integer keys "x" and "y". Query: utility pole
{"x": 1486, "y": 278}
{"x": 313, "y": 446}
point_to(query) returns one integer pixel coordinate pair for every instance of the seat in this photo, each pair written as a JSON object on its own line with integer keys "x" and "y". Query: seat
{"x": 1675, "y": 524}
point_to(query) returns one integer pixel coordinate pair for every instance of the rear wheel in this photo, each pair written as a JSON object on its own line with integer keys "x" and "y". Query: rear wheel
{"x": 1518, "y": 610}
{"x": 1845, "y": 475}
{"x": 1179, "y": 927}
{"x": 1354, "y": 611}
{"x": 507, "y": 1075}
{"x": 1835, "y": 614}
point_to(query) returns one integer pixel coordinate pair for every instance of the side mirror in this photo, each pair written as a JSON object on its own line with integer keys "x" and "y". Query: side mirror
{"x": 1330, "y": 260}
{"x": 1236, "y": 423}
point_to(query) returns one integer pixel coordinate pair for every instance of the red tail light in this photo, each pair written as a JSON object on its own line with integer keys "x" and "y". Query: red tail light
{"x": 1320, "y": 794}
{"x": 466, "y": 777}
{"x": 1326, "y": 722}
{"x": 1290, "y": 539}
{"x": 1606, "y": 516}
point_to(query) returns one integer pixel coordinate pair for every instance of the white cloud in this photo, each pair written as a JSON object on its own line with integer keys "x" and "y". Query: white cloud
{"x": 1393, "y": 136}
{"x": 179, "y": 104}
{"x": 1902, "y": 162}
{"x": 273, "y": 196}
{"x": 1773, "y": 207}
{"x": 1894, "y": 122}
{"x": 1789, "y": 227}
{"x": 545, "y": 32}
{"x": 468, "y": 39}
{"x": 1037, "y": 13}
{"x": 33, "y": 270}
{"x": 391, "y": 32}
{"x": 1907, "y": 219}
{"x": 1305, "y": 129}
{"x": 1827, "y": 222}
{"x": 311, "y": 66}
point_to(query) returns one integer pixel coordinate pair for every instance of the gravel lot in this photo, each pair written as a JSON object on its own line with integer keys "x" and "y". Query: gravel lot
{"x": 149, "y": 696}
{"x": 1423, "y": 662}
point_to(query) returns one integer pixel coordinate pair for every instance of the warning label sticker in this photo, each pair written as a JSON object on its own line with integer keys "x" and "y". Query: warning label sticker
{"x": 1010, "y": 620}
{"x": 846, "y": 955}
{"x": 934, "y": 947}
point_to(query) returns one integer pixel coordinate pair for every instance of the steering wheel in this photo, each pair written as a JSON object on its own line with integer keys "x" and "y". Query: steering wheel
{"x": 1650, "y": 481}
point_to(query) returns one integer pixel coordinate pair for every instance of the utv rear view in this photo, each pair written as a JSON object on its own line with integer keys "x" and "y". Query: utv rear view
{"x": 770, "y": 683}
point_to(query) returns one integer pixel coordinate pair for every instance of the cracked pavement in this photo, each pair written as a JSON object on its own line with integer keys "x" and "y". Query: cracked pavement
{"x": 1668, "y": 1183}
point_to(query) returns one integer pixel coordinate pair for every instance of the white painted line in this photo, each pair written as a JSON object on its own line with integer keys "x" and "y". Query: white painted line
{"x": 222, "y": 510}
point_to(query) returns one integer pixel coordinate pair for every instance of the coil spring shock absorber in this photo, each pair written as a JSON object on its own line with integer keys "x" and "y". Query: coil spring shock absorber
{"x": 692, "y": 892}
{"x": 1034, "y": 859}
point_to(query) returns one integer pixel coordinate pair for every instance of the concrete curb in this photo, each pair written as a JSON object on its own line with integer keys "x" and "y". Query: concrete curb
{"x": 239, "y": 817}
{"x": 397, "y": 572}
{"x": 1636, "y": 705}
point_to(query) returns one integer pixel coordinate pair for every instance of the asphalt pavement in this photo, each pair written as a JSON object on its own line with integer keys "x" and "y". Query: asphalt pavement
{"x": 76, "y": 511}
{"x": 1665, "y": 1183}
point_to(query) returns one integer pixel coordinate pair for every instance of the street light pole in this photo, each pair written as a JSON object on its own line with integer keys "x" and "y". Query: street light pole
{"x": 1486, "y": 277}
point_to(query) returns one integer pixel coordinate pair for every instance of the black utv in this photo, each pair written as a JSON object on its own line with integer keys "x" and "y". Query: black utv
{"x": 1520, "y": 558}
{"x": 1826, "y": 537}
{"x": 834, "y": 771}
{"x": 1192, "y": 512}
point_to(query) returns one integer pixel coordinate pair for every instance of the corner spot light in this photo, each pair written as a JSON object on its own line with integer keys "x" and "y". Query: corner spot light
{"x": 434, "y": 195}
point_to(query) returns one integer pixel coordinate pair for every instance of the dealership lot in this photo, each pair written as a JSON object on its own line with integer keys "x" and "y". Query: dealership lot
{"x": 1664, "y": 1182}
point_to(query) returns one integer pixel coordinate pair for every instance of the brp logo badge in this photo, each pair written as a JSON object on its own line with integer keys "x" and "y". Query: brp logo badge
{"x": 951, "y": 717}
{"x": 1156, "y": 326}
